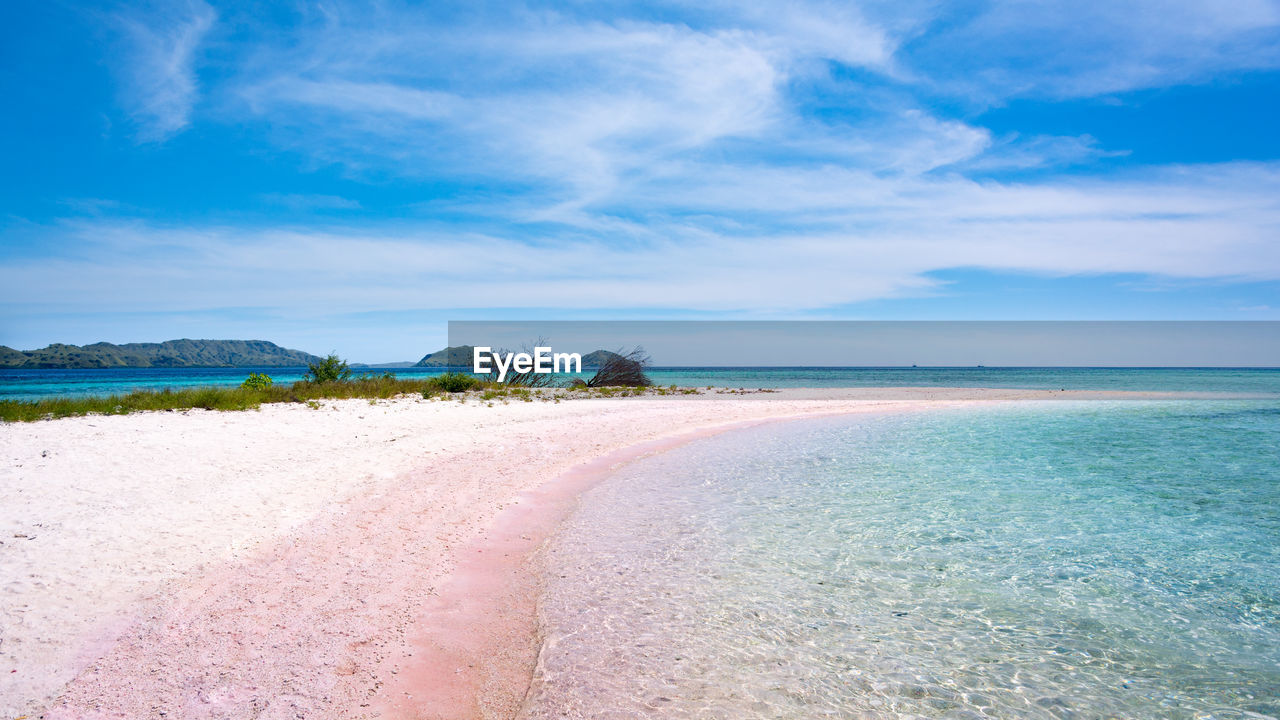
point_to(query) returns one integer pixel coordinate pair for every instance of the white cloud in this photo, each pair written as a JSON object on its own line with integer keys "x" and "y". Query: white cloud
{"x": 850, "y": 237}
{"x": 159, "y": 78}
{"x": 357, "y": 98}
{"x": 1039, "y": 151}
{"x": 1064, "y": 48}
{"x": 589, "y": 101}
{"x": 299, "y": 201}
{"x": 583, "y": 103}
{"x": 761, "y": 157}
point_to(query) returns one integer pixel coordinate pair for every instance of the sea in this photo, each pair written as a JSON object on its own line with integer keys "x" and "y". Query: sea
{"x": 30, "y": 384}
{"x": 1050, "y": 559}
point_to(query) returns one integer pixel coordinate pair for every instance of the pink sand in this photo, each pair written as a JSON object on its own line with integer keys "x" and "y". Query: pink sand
{"x": 352, "y": 561}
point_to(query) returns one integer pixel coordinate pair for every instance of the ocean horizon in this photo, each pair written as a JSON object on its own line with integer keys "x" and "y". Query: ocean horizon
{"x": 35, "y": 384}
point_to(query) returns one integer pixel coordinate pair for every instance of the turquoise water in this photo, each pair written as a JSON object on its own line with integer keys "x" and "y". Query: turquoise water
{"x": 1223, "y": 380}
{"x": 1046, "y": 560}
{"x": 34, "y": 384}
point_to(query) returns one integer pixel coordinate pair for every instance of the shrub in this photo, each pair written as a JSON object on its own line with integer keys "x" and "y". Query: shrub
{"x": 330, "y": 369}
{"x": 622, "y": 370}
{"x": 257, "y": 381}
{"x": 455, "y": 382}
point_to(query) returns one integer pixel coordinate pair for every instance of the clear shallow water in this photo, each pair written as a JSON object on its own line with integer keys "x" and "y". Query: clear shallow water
{"x": 1085, "y": 560}
{"x": 35, "y": 384}
{"x": 1224, "y": 380}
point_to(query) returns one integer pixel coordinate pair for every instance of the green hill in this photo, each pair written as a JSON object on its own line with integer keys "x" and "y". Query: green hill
{"x": 455, "y": 356}
{"x": 597, "y": 358}
{"x": 11, "y": 358}
{"x": 172, "y": 353}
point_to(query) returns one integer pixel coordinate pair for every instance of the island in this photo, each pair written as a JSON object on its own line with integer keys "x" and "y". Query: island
{"x": 168, "y": 354}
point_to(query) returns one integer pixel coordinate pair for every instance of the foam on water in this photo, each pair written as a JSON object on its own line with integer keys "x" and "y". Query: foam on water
{"x": 1116, "y": 559}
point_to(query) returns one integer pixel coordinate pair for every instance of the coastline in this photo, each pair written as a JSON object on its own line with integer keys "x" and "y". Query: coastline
{"x": 287, "y": 560}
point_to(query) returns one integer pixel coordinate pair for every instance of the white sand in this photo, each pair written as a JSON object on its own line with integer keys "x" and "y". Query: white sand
{"x": 268, "y": 563}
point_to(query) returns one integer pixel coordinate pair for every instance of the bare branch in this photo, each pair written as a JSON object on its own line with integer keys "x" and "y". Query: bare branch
{"x": 623, "y": 369}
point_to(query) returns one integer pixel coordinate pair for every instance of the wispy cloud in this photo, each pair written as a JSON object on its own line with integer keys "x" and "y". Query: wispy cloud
{"x": 842, "y": 239}
{"x": 299, "y": 201}
{"x": 724, "y": 157}
{"x": 596, "y": 100}
{"x": 1061, "y": 48}
{"x": 581, "y": 105}
{"x": 645, "y": 146}
{"x": 160, "y": 44}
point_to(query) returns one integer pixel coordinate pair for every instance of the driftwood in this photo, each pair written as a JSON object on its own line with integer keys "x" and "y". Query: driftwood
{"x": 623, "y": 369}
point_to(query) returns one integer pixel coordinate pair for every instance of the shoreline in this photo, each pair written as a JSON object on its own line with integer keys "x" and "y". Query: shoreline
{"x": 312, "y": 601}
{"x": 506, "y": 568}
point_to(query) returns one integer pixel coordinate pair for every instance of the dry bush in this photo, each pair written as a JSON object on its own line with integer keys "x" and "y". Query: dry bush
{"x": 623, "y": 370}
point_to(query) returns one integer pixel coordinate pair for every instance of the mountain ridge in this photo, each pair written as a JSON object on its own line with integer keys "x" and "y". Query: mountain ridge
{"x": 170, "y": 353}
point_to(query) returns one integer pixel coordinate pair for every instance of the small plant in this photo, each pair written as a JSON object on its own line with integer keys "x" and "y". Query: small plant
{"x": 330, "y": 369}
{"x": 257, "y": 381}
{"x": 375, "y": 376}
{"x": 456, "y": 382}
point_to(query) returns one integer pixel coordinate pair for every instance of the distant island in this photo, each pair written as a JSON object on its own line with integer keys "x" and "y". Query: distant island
{"x": 461, "y": 356}
{"x": 168, "y": 354}
{"x": 452, "y": 356}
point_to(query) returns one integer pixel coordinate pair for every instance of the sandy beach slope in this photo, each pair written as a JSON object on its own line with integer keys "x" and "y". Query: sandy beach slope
{"x": 320, "y": 563}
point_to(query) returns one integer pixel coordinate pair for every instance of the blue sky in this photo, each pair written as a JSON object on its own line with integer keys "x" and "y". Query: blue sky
{"x": 349, "y": 176}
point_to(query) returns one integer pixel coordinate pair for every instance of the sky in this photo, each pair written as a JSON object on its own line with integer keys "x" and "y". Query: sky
{"x": 348, "y": 177}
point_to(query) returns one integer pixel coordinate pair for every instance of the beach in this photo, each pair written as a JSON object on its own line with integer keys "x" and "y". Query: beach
{"x": 612, "y": 361}
{"x": 355, "y": 559}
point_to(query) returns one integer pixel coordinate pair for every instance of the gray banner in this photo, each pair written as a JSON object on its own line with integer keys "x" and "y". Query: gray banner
{"x": 895, "y": 344}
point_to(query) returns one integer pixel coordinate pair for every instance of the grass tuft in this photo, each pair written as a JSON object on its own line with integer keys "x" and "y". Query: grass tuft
{"x": 456, "y": 386}
{"x": 371, "y": 387}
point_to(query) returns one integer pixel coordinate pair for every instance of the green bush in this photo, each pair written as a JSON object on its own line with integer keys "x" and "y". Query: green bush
{"x": 257, "y": 381}
{"x": 236, "y": 397}
{"x": 330, "y": 369}
{"x": 455, "y": 382}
